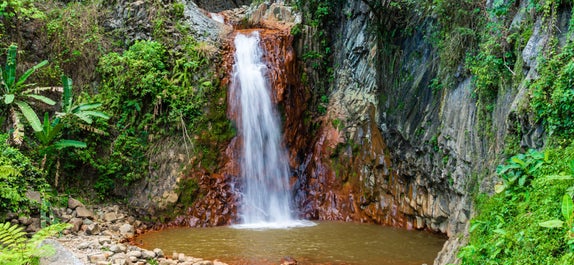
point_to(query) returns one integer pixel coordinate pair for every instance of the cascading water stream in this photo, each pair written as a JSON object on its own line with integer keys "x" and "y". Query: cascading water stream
{"x": 266, "y": 198}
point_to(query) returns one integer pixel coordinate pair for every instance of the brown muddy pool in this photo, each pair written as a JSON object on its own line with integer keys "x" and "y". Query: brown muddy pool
{"x": 325, "y": 243}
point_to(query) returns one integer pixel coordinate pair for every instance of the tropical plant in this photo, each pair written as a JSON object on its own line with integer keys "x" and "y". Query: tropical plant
{"x": 17, "y": 175}
{"x": 48, "y": 137}
{"x": 519, "y": 171}
{"x": 567, "y": 209}
{"x": 84, "y": 111}
{"x": 15, "y": 94}
{"x": 16, "y": 248}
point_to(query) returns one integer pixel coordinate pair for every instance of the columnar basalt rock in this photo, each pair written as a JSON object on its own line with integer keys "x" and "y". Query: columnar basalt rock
{"x": 411, "y": 157}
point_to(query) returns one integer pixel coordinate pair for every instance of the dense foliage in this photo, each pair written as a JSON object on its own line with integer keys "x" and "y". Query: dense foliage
{"x": 553, "y": 97}
{"x": 510, "y": 226}
{"x": 149, "y": 91}
{"x": 17, "y": 249}
{"x": 17, "y": 175}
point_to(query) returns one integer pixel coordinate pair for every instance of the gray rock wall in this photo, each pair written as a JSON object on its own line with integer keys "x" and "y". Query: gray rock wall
{"x": 436, "y": 140}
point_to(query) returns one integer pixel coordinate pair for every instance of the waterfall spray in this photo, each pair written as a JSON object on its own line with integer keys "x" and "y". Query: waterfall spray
{"x": 266, "y": 199}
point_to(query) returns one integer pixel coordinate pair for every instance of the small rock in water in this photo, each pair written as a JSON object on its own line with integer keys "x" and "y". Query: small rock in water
{"x": 148, "y": 254}
{"x": 127, "y": 230}
{"x": 158, "y": 252}
{"x": 288, "y": 261}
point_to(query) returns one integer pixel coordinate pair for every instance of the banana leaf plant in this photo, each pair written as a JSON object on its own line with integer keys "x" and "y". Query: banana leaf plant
{"x": 48, "y": 137}
{"x": 86, "y": 112}
{"x": 16, "y": 95}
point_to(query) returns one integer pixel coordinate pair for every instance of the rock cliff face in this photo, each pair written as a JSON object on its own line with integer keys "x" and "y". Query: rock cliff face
{"x": 391, "y": 149}
{"x": 402, "y": 154}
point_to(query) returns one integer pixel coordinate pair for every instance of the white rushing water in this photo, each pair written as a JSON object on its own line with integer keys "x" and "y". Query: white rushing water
{"x": 266, "y": 198}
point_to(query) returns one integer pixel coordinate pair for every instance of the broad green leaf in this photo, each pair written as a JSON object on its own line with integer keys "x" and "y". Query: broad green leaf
{"x": 567, "y": 207}
{"x": 522, "y": 180}
{"x": 533, "y": 169}
{"x": 30, "y": 115}
{"x": 30, "y": 71}
{"x": 44, "y": 99}
{"x": 10, "y": 73}
{"x": 98, "y": 114}
{"x": 67, "y": 95}
{"x": 499, "y": 231}
{"x": 69, "y": 143}
{"x": 552, "y": 224}
{"x": 9, "y": 98}
{"x": 517, "y": 160}
{"x": 84, "y": 117}
{"x": 499, "y": 187}
{"x": 559, "y": 177}
{"x": 88, "y": 106}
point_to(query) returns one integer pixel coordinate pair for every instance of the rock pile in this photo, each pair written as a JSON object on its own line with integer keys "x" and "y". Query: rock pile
{"x": 97, "y": 236}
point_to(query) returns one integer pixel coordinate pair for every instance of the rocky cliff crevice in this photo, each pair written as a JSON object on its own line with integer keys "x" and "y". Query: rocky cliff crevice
{"x": 442, "y": 150}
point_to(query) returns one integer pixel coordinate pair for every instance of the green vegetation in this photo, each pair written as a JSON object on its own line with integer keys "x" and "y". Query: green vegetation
{"x": 552, "y": 95}
{"x": 321, "y": 16}
{"x": 511, "y": 227}
{"x": 127, "y": 95}
{"x": 17, "y": 175}
{"x": 17, "y": 249}
{"x": 15, "y": 94}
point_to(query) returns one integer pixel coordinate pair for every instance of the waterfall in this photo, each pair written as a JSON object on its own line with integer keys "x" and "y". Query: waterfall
{"x": 266, "y": 197}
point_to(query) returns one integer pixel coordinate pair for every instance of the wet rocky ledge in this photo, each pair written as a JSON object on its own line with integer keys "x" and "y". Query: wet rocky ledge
{"x": 101, "y": 235}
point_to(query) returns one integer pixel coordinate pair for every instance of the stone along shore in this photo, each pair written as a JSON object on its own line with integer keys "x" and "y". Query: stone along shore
{"x": 100, "y": 235}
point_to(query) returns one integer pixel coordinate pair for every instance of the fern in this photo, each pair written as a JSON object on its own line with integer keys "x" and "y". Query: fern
{"x": 17, "y": 249}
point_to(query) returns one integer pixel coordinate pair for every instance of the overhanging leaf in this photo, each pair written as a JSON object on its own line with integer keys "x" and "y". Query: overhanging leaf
{"x": 517, "y": 160}
{"x": 499, "y": 187}
{"x": 69, "y": 143}
{"x": 84, "y": 117}
{"x": 67, "y": 95}
{"x": 30, "y": 115}
{"x": 9, "y": 98}
{"x": 559, "y": 177}
{"x": 98, "y": 114}
{"x": 44, "y": 99}
{"x": 30, "y": 72}
{"x": 567, "y": 207}
{"x": 551, "y": 224}
{"x": 10, "y": 72}
{"x": 88, "y": 106}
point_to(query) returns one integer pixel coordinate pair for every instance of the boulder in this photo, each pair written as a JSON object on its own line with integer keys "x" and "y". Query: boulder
{"x": 83, "y": 212}
{"x": 73, "y": 203}
{"x": 158, "y": 252}
{"x": 127, "y": 230}
{"x": 62, "y": 255}
{"x": 93, "y": 229}
{"x": 134, "y": 253}
{"x": 34, "y": 225}
{"x": 76, "y": 224}
{"x": 97, "y": 257}
{"x": 148, "y": 254}
{"x": 110, "y": 217}
{"x": 34, "y": 196}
